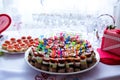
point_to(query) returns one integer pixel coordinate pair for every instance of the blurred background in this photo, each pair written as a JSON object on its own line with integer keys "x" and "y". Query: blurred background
{"x": 48, "y": 16}
{"x": 55, "y": 14}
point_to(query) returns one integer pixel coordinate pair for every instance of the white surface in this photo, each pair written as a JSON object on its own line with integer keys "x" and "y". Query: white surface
{"x": 11, "y": 52}
{"x": 19, "y": 12}
{"x": 14, "y": 67}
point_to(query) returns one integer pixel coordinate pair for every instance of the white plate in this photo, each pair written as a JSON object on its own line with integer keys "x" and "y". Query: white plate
{"x": 5, "y": 51}
{"x": 55, "y": 73}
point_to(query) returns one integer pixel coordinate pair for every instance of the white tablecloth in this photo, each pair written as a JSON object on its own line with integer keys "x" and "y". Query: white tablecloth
{"x": 14, "y": 67}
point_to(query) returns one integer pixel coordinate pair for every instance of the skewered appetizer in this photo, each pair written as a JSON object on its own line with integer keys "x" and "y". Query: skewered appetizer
{"x": 19, "y": 45}
{"x": 62, "y": 53}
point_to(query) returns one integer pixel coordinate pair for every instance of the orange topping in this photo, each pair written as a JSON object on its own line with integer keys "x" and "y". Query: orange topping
{"x": 14, "y": 42}
{"x": 30, "y": 40}
{"x": 22, "y": 44}
{"x": 82, "y": 57}
{"x": 18, "y": 49}
{"x": 4, "y": 44}
{"x": 23, "y": 37}
{"x": 7, "y": 42}
{"x": 26, "y": 41}
{"x": 36, "y": 39}
{"x": 19, "y": 40}
{"x": 9, "y": 47}
{"x": 29, "y": 37}
{"x": 29, "y": 45}
{"x": 15, "y": 45}
{"x": 13, "y": 39}
{"x": 47, "y": 46}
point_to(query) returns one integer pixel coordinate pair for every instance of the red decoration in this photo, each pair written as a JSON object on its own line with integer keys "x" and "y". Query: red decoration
{"x": 108, "y": 58}
{"x": 118, "y": 31}
{"x": 5, "y": 22}
{"x": 111, "y": 41}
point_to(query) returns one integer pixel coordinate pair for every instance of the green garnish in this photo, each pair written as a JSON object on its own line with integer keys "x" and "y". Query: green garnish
{"x": 1, "y": 53}
{"x": 111, "y": 27}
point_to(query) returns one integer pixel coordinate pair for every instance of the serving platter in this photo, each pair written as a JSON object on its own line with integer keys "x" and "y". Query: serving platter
{"x": 17, "y": 45}
{"x": 55, "y": 73}
{"x": 8, "y": 52}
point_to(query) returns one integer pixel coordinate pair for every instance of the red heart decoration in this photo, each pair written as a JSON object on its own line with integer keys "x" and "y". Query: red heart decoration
{"x": 5, "y": 21}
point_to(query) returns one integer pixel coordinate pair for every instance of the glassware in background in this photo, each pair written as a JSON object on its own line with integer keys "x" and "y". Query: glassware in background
{"x": 68, "y": 22}
{"x": 35, "y": 18}
{"x": 116, "y": 12}
{"x": 102, "y": 22}
{"x": 91, "y": 27}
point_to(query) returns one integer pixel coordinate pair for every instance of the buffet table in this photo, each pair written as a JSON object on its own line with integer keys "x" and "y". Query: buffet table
{"x": 14, "y": 67}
